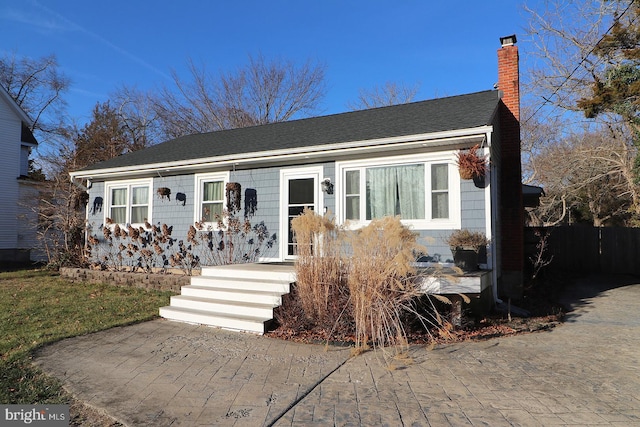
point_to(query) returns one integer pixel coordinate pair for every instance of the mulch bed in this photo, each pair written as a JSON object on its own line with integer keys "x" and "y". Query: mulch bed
{"x": 539, "y": 300}
{"x": 487, "y": 328}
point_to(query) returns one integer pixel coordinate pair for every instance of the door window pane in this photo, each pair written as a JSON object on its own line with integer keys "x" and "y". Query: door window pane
{"x": 301, "y": 191}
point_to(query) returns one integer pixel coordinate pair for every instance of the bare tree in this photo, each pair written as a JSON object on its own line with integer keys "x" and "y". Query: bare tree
{"x": 562, "y": 63}
{"x": 37, "y": 86}
{"x": 578, "y": 59}
{"x": 391, "y": 93}
{"x": 136, "y": 112}
{"x": 586, "y": 175}
{"x": 263, "y": 91}
{"x": 61, "y": 211}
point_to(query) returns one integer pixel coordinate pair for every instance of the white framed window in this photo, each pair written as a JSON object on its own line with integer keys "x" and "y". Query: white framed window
{"x": 210, "y": 196}
{"x": 418, "y": 188}
{"x": 129, "y": 202}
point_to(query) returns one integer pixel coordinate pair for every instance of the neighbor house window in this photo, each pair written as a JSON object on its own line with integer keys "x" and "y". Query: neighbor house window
{"x": 129, "y": 202}
{"x": 418, "y": 190}
{"x": 210, "y": 196}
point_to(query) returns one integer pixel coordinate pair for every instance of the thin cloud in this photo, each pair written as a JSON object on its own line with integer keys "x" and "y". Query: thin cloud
{"x": 73, "y": 26}
{"x": 40, "y": 22}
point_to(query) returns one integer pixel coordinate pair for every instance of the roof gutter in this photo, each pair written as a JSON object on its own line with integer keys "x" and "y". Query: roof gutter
{"x": 437, "y": 139}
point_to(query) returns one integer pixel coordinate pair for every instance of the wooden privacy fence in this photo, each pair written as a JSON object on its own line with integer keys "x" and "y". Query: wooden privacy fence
{"x": 584, "y": 249}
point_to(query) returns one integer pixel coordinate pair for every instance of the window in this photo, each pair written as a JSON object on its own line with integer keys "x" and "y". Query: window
{"x": 210, "y": 190}
{"x": 129, "y": 202}
{"x": 212, "y": 200}
{"x": 395, "y": 190}
{"x": 352, "y": 195}
{"x": 439, "y": 191}
{"x": 416, "y": 188}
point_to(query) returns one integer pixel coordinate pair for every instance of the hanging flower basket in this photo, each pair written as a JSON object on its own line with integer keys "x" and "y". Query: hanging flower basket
{"x": 234, "y": 196}
{"x": 164, "y": 192}
{"x": 471, "y": 164}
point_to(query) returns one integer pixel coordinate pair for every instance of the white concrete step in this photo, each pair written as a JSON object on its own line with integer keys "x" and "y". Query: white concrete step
{"x": 240, "y": 297}
{"x": 251, "y": 271}
{"x": 241, "y": 283}
{"x": 233, "y": 294}
{"x": 236, "y": 308}
{"x": 238, "y": 323}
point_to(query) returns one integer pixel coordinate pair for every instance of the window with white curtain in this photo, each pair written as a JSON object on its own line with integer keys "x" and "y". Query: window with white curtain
{"x": 210, "y": 196}
{"x": 212, "y": 200}
{"x": 395, "y": 190}
{"x": 416, "y": 188}
{"x": 129, "y": 202}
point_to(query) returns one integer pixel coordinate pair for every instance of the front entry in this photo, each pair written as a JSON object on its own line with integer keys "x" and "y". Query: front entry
{"x": 300, "y": 189}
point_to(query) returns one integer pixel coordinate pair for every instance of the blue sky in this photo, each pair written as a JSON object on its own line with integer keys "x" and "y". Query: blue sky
{"x": 448, "y": 47}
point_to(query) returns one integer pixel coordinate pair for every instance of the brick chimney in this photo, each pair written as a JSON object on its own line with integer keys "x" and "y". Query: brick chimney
{"x": 511, "y": 222}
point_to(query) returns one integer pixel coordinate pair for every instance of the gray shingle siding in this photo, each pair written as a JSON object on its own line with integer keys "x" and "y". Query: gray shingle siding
{"x": 473, "y": 217}
{"x": 173, "y": 212}
{"x": 266, "y": 182}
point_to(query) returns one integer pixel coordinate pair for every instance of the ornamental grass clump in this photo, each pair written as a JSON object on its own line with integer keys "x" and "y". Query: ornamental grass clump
{"x": 357, "y": 285}
{"x": 380, "y": 281}
{"x": 319, "y": 273}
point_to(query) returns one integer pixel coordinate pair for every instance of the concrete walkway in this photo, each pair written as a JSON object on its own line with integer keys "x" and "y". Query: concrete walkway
{"x": 161, "y": 373}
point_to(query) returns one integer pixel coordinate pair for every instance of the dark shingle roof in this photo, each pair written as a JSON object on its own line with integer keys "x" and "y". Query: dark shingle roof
{"x": 443, "y": 114}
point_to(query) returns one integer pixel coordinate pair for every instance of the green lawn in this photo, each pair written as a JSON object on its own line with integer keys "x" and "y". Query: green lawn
{"x": 39, "y": 307}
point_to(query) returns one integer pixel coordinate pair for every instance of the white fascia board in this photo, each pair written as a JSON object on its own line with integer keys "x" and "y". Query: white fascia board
{"x": 436, "y": 139}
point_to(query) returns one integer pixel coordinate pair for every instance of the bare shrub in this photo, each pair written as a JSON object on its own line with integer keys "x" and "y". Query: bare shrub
{"x": 233, "y": 240}
{"x": 136, "y": 249}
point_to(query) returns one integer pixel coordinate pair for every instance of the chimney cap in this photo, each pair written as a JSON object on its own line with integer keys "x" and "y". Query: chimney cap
{"x": 508, "y": 40}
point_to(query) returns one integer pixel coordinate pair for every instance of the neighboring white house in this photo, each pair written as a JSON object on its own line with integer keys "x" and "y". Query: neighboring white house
{"x": 17, "y": 192}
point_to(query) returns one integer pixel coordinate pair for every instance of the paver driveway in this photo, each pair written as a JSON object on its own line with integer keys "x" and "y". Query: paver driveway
{"x": 585, "y": 372}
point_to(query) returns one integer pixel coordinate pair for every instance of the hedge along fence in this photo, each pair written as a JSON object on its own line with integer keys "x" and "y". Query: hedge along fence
{"x": 150, "y": 281}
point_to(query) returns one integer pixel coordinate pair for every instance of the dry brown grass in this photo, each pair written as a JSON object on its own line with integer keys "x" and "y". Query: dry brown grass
{"x": 319, "y": 270}
{"x": 359, "y": 283}
{"x": 380, "y": 281}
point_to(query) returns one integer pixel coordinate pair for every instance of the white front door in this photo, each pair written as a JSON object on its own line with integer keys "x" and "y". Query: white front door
{"x": 299, "y": 189}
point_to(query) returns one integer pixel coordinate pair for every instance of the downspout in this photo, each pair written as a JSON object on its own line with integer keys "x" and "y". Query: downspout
{"x": 493, "y": 220}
